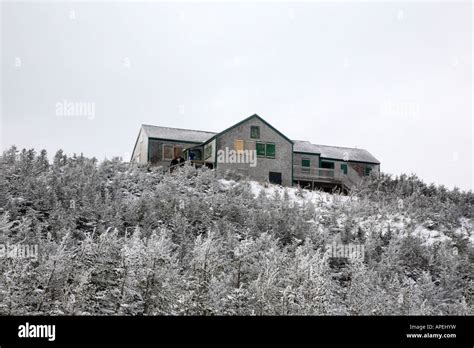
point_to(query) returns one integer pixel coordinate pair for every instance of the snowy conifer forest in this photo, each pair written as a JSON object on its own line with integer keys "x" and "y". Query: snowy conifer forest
{"x": 119, "y": 239}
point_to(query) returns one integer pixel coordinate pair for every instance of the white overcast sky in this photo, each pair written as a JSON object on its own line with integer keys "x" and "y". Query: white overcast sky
{"x": 394, "y": 78}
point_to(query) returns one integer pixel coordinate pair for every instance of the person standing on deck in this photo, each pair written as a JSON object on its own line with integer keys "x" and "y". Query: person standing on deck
{"x": 173, "y": 164}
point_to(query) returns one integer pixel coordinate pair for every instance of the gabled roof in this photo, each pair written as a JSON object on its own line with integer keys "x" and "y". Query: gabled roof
{"x": 245, "y": 120}
{"x": 179, "y": 134}
{"x": 335, "y": 152}
{"x": 176, "y": 134}
{"x": 202, "y": 137}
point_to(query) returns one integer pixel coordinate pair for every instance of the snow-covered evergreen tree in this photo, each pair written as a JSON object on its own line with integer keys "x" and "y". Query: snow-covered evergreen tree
{"x": 116, "y": 238}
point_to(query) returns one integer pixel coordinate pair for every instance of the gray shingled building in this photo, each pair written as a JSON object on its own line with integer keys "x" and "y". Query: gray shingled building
{"x": 257, "y": 150}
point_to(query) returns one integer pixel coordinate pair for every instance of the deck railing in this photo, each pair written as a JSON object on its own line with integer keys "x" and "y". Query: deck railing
{"x": 350, "y": 179}
{"x": 315, "y": 173}
{"x": 194, "y": 163}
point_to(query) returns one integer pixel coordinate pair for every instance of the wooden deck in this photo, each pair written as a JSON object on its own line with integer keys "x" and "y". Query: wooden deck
{"x": 325, "y": 176}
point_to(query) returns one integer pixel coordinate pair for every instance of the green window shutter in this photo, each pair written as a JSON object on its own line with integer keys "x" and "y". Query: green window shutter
{"x": 270, "y": 150}
{"x": 368, "y": 169}
{"x": 344, "y": 168}
{"x": 260, "y": 147}
{"x": 305, "y": 163}
{"x": 255, "y": 132}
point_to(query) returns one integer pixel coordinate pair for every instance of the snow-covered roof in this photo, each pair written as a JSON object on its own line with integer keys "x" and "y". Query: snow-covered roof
{"x": 335, "y": 152}
{"x": 176, "y": 133}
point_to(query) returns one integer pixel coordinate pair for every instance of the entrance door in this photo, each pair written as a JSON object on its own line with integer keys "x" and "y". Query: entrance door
{"x": 177, "y": 151}
{"x": 274, "y": 178}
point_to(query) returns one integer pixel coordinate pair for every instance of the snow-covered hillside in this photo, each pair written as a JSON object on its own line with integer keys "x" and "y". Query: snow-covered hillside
{"x": 398, "y": 223}
{"x": 114, "y": 238}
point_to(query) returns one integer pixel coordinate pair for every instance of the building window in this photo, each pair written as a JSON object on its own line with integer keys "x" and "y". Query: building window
{"x": 178, "y": 150}
{"x": 327, "y": 165}
{"x": 265, "y": 150}
{"x": 270, "y": 150}
{"x": 260, "y": 147}
{"x": 195, "y": 155}
{"x": 168, "y": 152}
{"x": 368, "y": 169}
{"x": 207, "y": 151}
{"x": 305, "y": 164}
{"x": 255, "y": 132}
{"x": 344, "y": 168}
{"x": 238, "y": 145}
{"x": 327, "y": 169}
